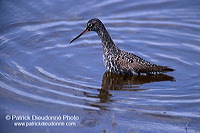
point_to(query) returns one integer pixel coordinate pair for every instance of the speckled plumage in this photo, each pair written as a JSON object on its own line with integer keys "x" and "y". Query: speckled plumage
{"x": 118, "y": 61}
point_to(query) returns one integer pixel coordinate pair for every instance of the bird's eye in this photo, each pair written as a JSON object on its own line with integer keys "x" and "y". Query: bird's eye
{"x": 89, "y": 24}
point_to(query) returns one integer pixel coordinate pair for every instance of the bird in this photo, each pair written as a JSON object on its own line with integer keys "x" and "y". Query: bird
{"x": 119, "y": 61}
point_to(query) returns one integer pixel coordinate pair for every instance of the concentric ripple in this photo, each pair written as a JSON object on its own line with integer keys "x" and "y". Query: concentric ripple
{"x": 42, "y": 73}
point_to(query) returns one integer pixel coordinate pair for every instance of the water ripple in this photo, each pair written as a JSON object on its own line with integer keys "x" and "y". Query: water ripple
{"x": 39, "y": 67}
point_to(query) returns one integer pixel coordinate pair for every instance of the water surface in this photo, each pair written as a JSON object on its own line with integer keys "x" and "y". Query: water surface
{"x": 42, "y": 74}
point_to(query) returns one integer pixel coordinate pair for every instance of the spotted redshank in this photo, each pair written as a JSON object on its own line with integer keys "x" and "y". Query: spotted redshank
{"x": 118, "y": 61}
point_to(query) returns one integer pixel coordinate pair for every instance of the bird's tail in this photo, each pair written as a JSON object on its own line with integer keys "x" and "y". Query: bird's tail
{"x": 166, "y": 69}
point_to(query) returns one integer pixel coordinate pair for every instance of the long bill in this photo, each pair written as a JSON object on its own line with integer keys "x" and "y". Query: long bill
{"x": 85, "y": 31}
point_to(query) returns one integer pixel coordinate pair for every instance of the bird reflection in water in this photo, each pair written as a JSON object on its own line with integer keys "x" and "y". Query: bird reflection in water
{"x": 117, "y": 82}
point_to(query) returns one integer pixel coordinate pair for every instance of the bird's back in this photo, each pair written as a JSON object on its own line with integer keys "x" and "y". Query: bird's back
{"x": 128, "y": 63}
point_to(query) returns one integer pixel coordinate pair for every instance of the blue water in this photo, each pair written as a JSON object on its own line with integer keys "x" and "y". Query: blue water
{"x": 42, "y": 74}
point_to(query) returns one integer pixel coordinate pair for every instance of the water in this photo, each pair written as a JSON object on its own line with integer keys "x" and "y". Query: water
{"x": 42, "y": 74}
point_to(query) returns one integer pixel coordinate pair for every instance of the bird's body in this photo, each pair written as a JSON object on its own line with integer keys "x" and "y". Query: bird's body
{"x": 118, "y": 61}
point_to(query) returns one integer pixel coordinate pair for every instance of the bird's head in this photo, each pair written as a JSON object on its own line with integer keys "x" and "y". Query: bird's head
{"x": 92, "y": 25}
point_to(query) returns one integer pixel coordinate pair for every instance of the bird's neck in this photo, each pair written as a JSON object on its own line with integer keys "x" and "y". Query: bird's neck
{"x": 107, "y": 41}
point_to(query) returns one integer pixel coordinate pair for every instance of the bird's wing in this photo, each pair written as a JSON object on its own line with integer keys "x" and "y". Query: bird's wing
{"x": 135, "y": 63}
